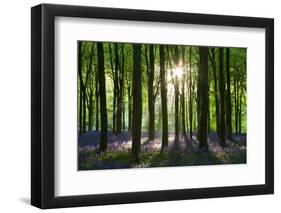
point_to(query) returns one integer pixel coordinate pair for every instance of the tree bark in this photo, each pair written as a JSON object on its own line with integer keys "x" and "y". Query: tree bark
{"x": 214, "y": 68}
{"x": 240, "y": 112}
{"x": 80, "y": 88}
{"x": 236, "y": 102}
{"x": 118, "y": 91}
{"x": 120, "y": 102}
{"x": 198, "y": 101}
{"x": 90, "y": 108}
{"x": 129, "y": 108}
{"x": 163, "y": 99}
{"x": 176, "y": 86}
{"x": 114, "y": 86}
{"x": 203, "y": 143}
{"x": 97, "y": 100}
{"x": 222, "y": 98}
{"x": 137, "y": 103}
{"x": 151, "y": 94}
{"x": 84, "y": 111}
{"x": 228, "y": 97}
{"x": 183, "y": 94}
{"x": 102, "y": 88}
{"x": 190, "y": 93}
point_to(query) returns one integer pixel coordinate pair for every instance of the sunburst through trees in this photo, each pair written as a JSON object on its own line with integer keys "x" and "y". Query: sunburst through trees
{"x": 150, "y": 105}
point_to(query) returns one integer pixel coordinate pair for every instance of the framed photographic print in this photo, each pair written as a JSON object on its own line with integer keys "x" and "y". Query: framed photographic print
{"x": 139, "y": 106}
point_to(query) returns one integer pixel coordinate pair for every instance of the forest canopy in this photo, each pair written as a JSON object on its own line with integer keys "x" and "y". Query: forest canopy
{"x": 146, "y": 105}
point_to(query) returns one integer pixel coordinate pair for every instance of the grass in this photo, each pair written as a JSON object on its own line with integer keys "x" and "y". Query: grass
{"x": 90, "y": 160}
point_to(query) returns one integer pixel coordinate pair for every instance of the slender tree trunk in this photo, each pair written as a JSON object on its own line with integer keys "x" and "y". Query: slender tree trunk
{"x": 151, "y": 94}
{"x": 118, "y": 80}
{"x": 90, "y": 110}
{"x": 208, "y": 110}
{"x": 123, "y": 112}
{"x": 129, "y": 109}
{"x": 183, "y": 94}
{"x": 176, "y": 110}
{"x": 120, "y": 100}
{"x": 84, "y": 111}
{"x": 208, "y": 104}
{"x": 114, "y": 111}
{"x": 80, "y": 89}
{"x": 198, "y": 102}
{"x": 176, "y": 86}
{"x": 163, "y": 99}
{"x": 222, "y": 97}
{"x": 236, "y": 102}
{"x": 80, "y": 109}
{"x": 203, "y": 53}
{"x": 114, "y": 87}
{"x": 190, "y": 93}
{"x": 228, "y": 97}
{"x": 102, "y": 87}
{"x": 214, "y": 66}
{"x": 97, "y": 100}
{"x": 195, "y": 117}
{"x": 137, "y": 103}
{"x": 240, "y": 113}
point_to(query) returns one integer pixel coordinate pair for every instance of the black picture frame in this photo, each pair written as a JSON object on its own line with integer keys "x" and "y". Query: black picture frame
{"x": 43, "y": 102}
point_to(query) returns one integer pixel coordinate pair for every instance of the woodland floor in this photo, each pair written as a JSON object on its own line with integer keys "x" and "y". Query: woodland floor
{"x": 183, "y": 153}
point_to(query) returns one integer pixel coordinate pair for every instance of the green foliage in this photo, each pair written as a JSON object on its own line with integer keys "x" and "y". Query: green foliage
{"x": 238, "y": 72}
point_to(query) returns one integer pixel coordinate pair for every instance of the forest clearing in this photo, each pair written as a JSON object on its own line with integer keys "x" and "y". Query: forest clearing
{"x": 151, "y": 105}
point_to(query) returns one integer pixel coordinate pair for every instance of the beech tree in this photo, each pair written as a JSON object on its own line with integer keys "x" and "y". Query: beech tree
{"x": 222, "y": 97}
{"x": 163, "y": 99}
{"x": 228, "y": 97}
{"x": 102, "y": 88}
{"x": 203, "y": 72}
{"x": 137, "y": 102}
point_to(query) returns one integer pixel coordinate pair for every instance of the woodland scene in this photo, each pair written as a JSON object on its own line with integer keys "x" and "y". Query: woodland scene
{"x": 154, "y": 105}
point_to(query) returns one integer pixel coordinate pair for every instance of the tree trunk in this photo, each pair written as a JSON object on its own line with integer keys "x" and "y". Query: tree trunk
{"x": 114, "y": 87}
{"x": 240, "y": 113}
{"x": 118, "y": 92}
{"x": 203, "y": 53}
{"x": 80, "y": 88}
{"x": 163, "y": 99}
{"x": 222, "y": 97}
{"x": 190, "y": 93}
{"x": 183, "y": 94}
{"x": 97, "y": 100}
{"x": 137, "y": 103}
{"x": 208, "y": 110}
{"x": 120, "y": 102}
{"x": 228, "y": 97}
{"x": 80, "y": 110}
{"x": 90, "y": 110}
{"x": 176, "y": 86}
{"x": 123, "y": 112}
{"x": 129, "y": 108}
{"x": 236, "y": 102}
{"x": 102, "y": 88}
{"x": 214, "y": 66}
{"x": 151, "y": 94}
{"x": 122, "y": 87}
{"x": 198, "y": 101}
{"x": 84, "y": 111}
